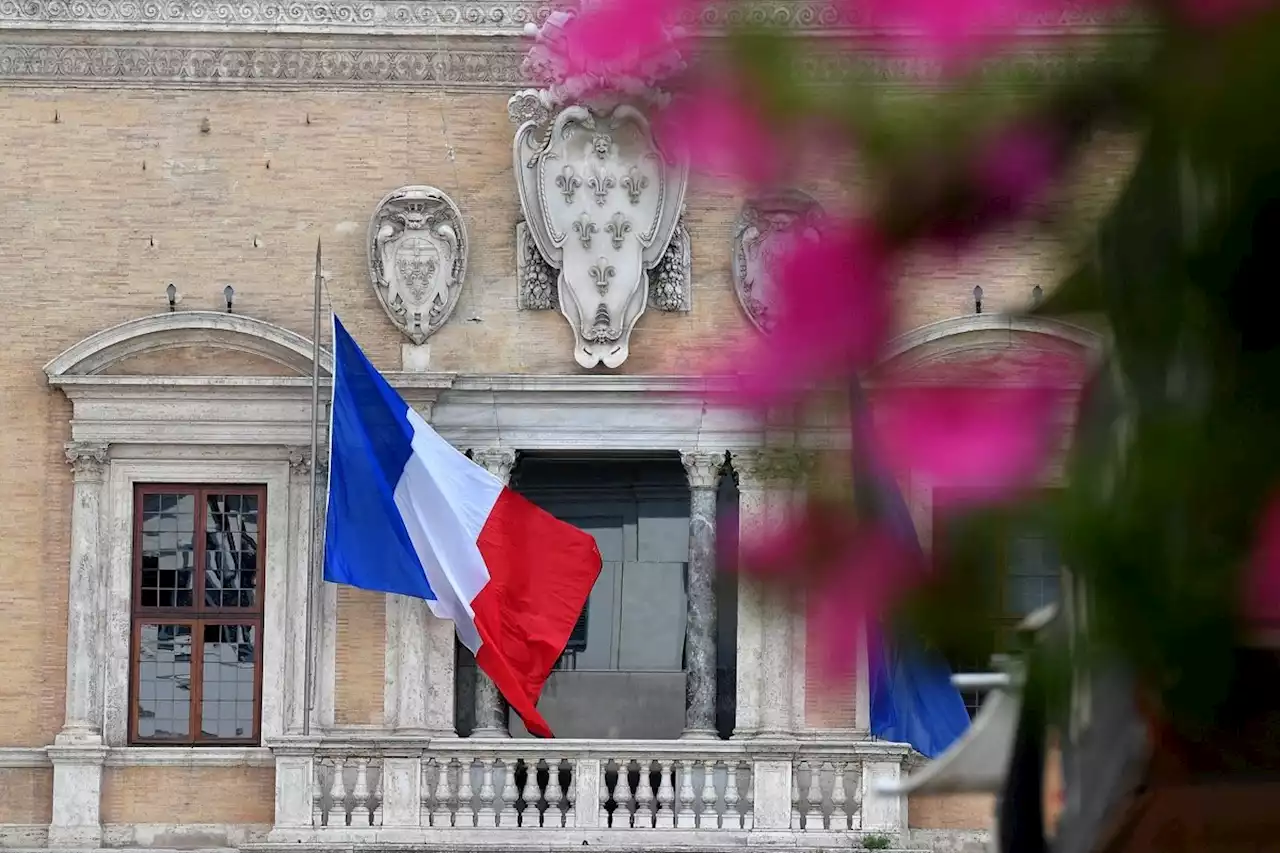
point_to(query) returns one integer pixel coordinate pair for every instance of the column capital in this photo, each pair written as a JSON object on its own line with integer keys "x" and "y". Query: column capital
{"x": 88, "y": 459}
{"x": 496, "y": 460}
{"x": 772, "y": 467}
{"x": 702, "y": 468}
{"x": 300, "y": 461}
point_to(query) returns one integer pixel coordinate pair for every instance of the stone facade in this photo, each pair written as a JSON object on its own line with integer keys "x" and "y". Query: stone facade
{"x": 208, "y": 145}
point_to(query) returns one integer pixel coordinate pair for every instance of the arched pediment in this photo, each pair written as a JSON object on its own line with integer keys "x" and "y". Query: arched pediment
{"x": 99, "y": 352}
{"x": 996, "y": 345}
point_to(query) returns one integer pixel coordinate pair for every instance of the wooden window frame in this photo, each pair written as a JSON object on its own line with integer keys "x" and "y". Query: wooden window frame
{"x": 198, "y": 615}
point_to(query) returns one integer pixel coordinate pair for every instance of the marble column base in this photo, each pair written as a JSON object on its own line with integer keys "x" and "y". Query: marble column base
{"x": 699, "y": 734}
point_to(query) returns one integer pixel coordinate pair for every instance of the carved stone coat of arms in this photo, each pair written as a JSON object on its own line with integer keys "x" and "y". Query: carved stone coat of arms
{"x": 417, "y": 259}
{"x": 769, "y": 228}
{"x": 602, "y": 205}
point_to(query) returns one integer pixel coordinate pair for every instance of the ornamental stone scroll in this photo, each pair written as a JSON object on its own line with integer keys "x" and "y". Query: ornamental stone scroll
{"x": 417, "y": 259}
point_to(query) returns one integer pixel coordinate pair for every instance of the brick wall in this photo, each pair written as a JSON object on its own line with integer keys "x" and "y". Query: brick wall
{"x": 26, "y": 795}
{"x": 174, "y": 795}
{"x": 360, "y": 657}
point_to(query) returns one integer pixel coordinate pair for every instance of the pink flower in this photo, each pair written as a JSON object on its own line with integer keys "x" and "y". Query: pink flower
{"x": 989, "y": 439}
{"x": 720, "y": 134}
{"x": 1216, "y": 13}
{"x": 610, "y": 44}
{"x": 1015, "y": 167}
{"x": 955, "y": 32}
{"x": 1262, "y": 580}
{"x": 833, "y": 307}
{"x": 851, "y": 573}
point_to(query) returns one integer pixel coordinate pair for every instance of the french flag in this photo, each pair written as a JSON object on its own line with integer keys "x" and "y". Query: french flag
{"x": 408, "y": 514}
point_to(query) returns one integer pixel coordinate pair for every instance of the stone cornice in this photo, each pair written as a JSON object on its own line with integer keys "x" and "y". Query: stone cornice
{"x": 415, "y": 43}
{"x": 441, "y": 17}
{"x": 180, "y": 63}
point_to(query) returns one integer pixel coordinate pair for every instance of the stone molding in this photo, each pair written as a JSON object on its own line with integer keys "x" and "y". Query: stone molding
{"x": 773, "y": 467}
{"x": 60, "y": 59}
{"x": 442, "y": 17}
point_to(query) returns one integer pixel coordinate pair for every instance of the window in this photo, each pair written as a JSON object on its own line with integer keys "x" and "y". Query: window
{"x": 196, "y": 674}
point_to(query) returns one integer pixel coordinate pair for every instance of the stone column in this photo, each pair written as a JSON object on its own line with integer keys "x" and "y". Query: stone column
{"x": 78, "y": 752}
{"x": 491, "y": 709}
{"x": 703, "y": 471}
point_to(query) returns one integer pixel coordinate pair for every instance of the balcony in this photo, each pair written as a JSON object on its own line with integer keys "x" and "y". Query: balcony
{"x": 615, "y": 794}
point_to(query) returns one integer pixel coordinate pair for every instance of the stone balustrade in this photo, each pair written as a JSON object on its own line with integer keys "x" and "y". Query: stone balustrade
{"x": 401, "y": 790}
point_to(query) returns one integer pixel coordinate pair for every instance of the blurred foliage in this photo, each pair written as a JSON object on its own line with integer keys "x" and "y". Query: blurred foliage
{"x": 1175, "y": 454}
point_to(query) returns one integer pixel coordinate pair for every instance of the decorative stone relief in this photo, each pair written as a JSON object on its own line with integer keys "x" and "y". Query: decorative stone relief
{"x": 417, "y": 259}
{"x": 602, "y": 204}
{"x": 602, "y": 207}
{"x": 496, "y": 461}
{"x": 768, "y": 228}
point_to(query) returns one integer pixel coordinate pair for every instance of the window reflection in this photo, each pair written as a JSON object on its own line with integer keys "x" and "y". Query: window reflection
{"x": 164, "y": 681}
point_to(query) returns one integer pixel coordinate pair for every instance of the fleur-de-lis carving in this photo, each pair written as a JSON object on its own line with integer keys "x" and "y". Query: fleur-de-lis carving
{"x": 601, "y": 273}
{"x": 568, "y": 182}
{"x": 634, "y": 182}
{"x": 619, "y": 227}
{"x": 584, "y": 228}
{"x": 600, "y": 184}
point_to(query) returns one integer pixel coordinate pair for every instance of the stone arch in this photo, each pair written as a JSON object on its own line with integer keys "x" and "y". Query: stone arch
{"x": 98, "y": 352}
{"x": 996, "y": 344}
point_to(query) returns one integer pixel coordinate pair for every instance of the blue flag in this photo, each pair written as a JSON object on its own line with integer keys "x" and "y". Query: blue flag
{"x": 912, "y": 698}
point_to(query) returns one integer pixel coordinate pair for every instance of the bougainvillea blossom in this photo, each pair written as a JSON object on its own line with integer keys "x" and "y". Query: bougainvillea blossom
{"x": 1261, "y": 593}
{"x": 721, "y": 135}
{"x": 833, "y": 315}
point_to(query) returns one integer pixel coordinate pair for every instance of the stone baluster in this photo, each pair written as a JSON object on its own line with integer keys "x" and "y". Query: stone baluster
{"x": 685, "y": 816}
{"x": 665, "y": 811}
{"x": 703, "y": 471}
{"x": 466, "y": 793}
{"x": 337, "y": 795}
{"x": 732, "y": 816}
{"x": 605, "y": 794}
{"x": 839, "y": 798}
{"x": 813, "y": 816}
{"x": 507, "y": 815}
{"x": 486, "y": 815}
{"x": 443, "y": 815}
{"x": 708, "y": 818}
{"x": 571, "y": 796}
{"x": 490, "y": 707}
{"x": 360, "y": 795}
{"x": 78, "y": 754}
{"x": 553, "y": 816}
{"x": 644, "y": 797}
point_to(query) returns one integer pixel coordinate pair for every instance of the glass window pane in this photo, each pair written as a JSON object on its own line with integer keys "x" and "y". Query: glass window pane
{"x": 231, "y": 550}
{"x": 167, "y": 545}
{"x": 229, "y": 682}
{"x": 164, "y": 681}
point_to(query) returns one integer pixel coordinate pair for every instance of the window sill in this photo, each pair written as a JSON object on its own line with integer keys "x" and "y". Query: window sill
{"x": 190, "y": 756}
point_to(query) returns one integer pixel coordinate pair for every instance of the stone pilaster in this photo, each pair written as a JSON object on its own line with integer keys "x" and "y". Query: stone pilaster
{"x": 703, "y": 471}
{"x": 491, "y": 709}
{"x": 78, "y": 752}
{"x": 767, "y": 483}
{"x": 303, "y": 593}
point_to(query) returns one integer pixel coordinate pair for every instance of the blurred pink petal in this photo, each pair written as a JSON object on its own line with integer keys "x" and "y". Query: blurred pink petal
{"x": 1216, "y": 13}
{"x": 993, "y": 439}
{"x": 850, "y": 573}
{"x": 720, "y": 134}
{"x": 1015, "y": 168}
{"x": 957, "y": 32}
{"x": 610, "y": 44}
{"x": 1262, "y": 582}
{"x": 833, "y": 311}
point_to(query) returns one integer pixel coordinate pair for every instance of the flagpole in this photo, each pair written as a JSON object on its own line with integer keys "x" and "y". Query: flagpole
{"x": 315, "y": 503}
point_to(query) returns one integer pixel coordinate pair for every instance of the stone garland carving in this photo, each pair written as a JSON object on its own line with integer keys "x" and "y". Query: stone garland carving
{"x": 601, "y": 207}
{"x": 670, "y": 282}
{"x": 417, "y": 259}
{"x": 449, "y": 16}
{"x": 767, "y": 229}
{"x": 537, "y": 277}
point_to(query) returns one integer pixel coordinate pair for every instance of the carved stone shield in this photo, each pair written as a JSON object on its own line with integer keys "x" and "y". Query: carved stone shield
{"x": 417, "y": 259}
{"x": 767, "y": 230}
{"x": 602, "y": 204}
